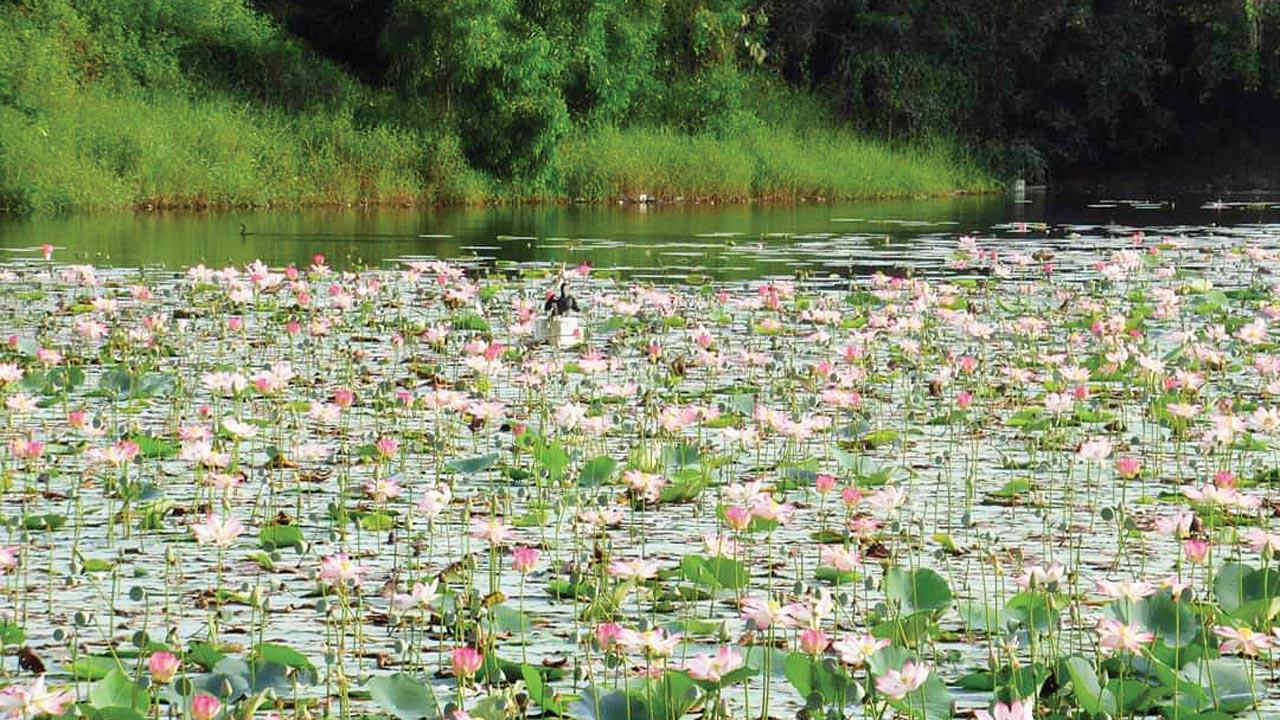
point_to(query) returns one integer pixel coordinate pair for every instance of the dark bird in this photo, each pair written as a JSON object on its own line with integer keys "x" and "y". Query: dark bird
{"x": 562, "y": 304}
{"x": 29, "y": 661}
{"x": 244, "y": 231}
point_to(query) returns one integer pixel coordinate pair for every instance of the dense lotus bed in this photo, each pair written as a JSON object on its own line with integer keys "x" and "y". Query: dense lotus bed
{"x": 1036, "y": 483}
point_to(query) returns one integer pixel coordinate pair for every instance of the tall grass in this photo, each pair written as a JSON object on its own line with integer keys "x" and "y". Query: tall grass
{"x": 185, "y": 103}
{"x": 765, "y": 162}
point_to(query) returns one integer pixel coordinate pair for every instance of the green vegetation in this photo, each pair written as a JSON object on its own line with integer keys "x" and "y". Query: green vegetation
{"x": 117, "y": 103}
{"x": 767, "y": 163}
{"x": 113, "y": 103}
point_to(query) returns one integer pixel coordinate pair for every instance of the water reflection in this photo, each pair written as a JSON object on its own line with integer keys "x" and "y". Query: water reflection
{"x": 663, "y": 243}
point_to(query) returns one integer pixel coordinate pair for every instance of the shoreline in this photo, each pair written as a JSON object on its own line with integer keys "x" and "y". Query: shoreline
{"x": 639, "y": 203}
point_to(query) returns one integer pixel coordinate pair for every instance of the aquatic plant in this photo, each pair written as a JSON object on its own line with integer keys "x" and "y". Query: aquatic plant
{"x": 1020, "y": 487}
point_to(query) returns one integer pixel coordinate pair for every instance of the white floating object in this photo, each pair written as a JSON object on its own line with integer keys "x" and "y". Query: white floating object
{"x": 560, "y": 331}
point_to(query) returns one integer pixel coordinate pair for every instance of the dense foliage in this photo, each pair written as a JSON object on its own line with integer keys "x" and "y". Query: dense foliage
{"x": 336, "y": 101}
{"x": 194, "y": 103}
{"x": 1057, "y": 84}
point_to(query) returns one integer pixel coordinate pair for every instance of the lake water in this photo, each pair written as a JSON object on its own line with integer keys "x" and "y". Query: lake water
{"x": 728, "y": 242}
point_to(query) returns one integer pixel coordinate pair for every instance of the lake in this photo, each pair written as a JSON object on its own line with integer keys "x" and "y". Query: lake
{"x": 728, "y": 242}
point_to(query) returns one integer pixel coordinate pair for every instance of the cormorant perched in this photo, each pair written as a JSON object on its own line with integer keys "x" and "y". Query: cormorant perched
{"x": 561, "y": 305}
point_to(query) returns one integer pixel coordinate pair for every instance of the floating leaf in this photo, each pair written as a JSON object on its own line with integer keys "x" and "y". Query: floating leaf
{"x": 92, "y": 667}
{"x": 919, "y": 589}
{"x": 1013, "y": 488}
{"x": 536, "y": 685}
{"x": 597, "y": 472}
{"x": 472, "y": 465}
{"x": 117, "y": 690}
{"x": 509, "y": 619}
{"x": 1226, "y": 683}
{"x": 204, "y": 655}
{"x": 686, "y": 485}
{"x": 1084, "y": 684}
{"x": 280, "y": 536}
{"x": 48, "y": 521}
{"x": 715, "y": 572}
{"x": 403, "y": 697}
{"x": 282, "y": 655}
{"x": 377, "y": 522}
{"x": 680, "y": 455}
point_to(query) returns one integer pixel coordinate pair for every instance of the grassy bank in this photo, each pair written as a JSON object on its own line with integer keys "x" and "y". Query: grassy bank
{"x": 169, "y": 104}
{"x": 768, "y": 162}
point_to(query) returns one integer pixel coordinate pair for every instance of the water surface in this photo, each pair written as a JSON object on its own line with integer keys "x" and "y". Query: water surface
{"x": 729, "y": 242}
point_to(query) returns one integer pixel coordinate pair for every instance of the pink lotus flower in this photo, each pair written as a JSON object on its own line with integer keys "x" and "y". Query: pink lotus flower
{"x": 163, "y": 665}
{"x": 737, "y": 517}
{"x": 492, "y": 530}
{"x": 856, "y": 651}
{"x": 1095, "y": 449}
{"x": 420, "y": 596}
{"x": 720, "y": 546}
{"x": 655, "y": 643}
{"x": 770, "y": 510}
{"x": 1133, "y": 591}
{"x": 10, "y": 373}
{"x": 1177, "y": 525}
{"x": 1196, "y": 550}
{"x": 1016, "y": 710}
{"x": 217, "y": 531}
{"x": 467, "y": 661}
{"x": 21, "y": 402}
{"x": 647, "y": 486}
{"x": 383, "y": 489}
{"x": 386, "y": 447}
{"x": 205, "y": 707}
{"x": 762, "y": 613}
{"x": 898, "y": 683}
{"x": 9, "y": 557}
{"x": 33, "y": 701}
{"x": 1262, "y": 541}
{"x": 711, "y": 668}
{"x": 1038, "y": 576}
{"x": 1243, "y": 640}
{"x": 840, "y": 558}
{"x": 1128, "y": 467}
{"x": 525, "y": 559}
{"x": 851, "y": 496}
{"x": 636, "y": 569}
{"x": 339, "y": 569}
{"x": 26, "y": 449}
{"x": 607, "y": 635}
{"x": 813, "y": 641}
{"x": 809, "y": 612}
{"x": 435, "y": 500}
{"x": 1116, "y": 636}
{"x": 887, "y": 498}
{"x": 48, "y": 356}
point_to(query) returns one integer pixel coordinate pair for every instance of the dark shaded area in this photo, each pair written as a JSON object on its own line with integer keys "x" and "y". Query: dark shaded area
{"x": 1057, "y": 86}
{"x": 1065, "y": 85}
{"x": 348, "y": 31}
